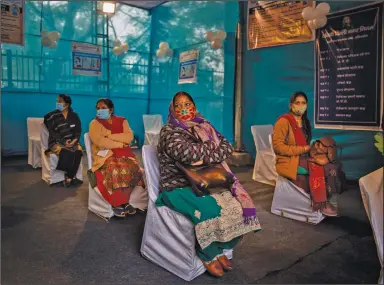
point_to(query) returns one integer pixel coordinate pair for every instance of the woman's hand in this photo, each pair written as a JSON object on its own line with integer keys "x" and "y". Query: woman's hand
{"x": 307, "y": 148}
{"x": 68, "y": 143}
{"x": 197, "y": 163}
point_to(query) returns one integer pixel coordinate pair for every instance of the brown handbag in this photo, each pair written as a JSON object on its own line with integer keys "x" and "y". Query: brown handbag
{"x": 324, "y": 151}
{"x": 206, "y": 180}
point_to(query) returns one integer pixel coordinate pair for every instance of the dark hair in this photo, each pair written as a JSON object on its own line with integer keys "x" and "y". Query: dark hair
{"x": 306, "y": 123}
{"x": 67, "y": 100}
{"x": 182, "y": 93}
{"x": 107, "y": 102}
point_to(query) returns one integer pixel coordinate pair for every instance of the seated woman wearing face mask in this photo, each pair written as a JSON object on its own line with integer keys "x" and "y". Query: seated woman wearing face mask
{"x": 291, "y": 138}
{"x": 64, "y": 128}
{"x": 114, "y": 164}
{"x": 220, "y": 218}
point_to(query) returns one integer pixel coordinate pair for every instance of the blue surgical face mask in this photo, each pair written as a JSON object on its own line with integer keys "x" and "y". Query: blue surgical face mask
{"x": 103, "y": 114}
{"x": 60, "y": 106}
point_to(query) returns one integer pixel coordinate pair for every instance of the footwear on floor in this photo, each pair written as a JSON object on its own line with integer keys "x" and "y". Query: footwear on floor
{"x": 67, "y": 183}
{"x": 214, "y": 268}
{"x": 225, "y": 262}
{"x": 329, "y": 210}
{"x": 119, "y": 212}
{"x": 129, "y": 210}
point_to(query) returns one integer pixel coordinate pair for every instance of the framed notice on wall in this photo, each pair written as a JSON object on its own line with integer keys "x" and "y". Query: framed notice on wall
{"x": 86, "y": 59}
{"x": 349, "y": 70}
{"x": 188, "y": 66}
{"x": 274, "y": 23}
{"x": 12, "y": 22}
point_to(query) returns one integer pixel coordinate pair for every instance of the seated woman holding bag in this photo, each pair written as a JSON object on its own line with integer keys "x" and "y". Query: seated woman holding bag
{"x": 64, "y": 128}
{"x": 196, "y": 182}
{"x": 114, "y": 164}
{"x": 291, "y": 138}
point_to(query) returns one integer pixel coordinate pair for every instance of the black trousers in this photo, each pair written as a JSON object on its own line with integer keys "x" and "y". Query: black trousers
{"x": 69, "y": 161}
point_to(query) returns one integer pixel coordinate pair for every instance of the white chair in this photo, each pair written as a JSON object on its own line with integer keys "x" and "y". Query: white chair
{"x": 49, "y": 163}
{"x": 169, "y": 237}
{"x": 152, "y": 127}
{"x": 96, "y": 202}
{"x": 293, "y": 202}
{"x": 371, "y": 188}
{"x": 264, "y": 170}
{"x": 34, "y": 148}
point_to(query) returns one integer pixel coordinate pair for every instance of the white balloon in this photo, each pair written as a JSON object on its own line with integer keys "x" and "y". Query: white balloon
{"x": 46, "y": 42}
{"x": 160, "y": 52}
{"x": 311, "y": 25}
{"x": 320, "y": 22}
{"x": 117, "y": 43}
{"x": 54, "y": 36}
{"x": 169, "y": 52}
{"x": 221, "y": 35}
{"x": 210, "y": 36}
{"x": 44, "y": 33}
{"x": 53, "y": 45}
{"x": 124, "y": 47}
{"x": 116, "y": 50}
{"x": 216, "y": 44}
{"x": 323, "y": 9}
{"x": 164, "y": 46}
{"x": 308, "y": 13}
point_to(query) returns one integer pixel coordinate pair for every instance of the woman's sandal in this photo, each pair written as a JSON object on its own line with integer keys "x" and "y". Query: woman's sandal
{"x": 129, "y": 210}
{"x": 225, "y": 262}
{"x": 214, "y": 268}
{"x": 119, "y": 212}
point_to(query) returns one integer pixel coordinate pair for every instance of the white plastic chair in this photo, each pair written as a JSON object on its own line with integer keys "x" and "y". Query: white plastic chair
{"x": 264, "y": 170}
{"x": 96, "y": 202}
{"x": 152, "y": 127}
{"x": 371, "y": 188}
{"x": 169, "y": 237}
{"x": 293, "y": 202}
{"x": 34, "y": 148}
{"x": 49, "y": 163}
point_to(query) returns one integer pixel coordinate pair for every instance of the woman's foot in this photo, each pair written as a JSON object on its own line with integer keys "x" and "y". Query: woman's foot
{"x": 129, "y": 210}
{"x": 214, "y": 268}
{"x": 329, "y": 210}
{"x": 225, "y": 262}
{"x": 67, "y": 182}
{"x": 119, "y": 211}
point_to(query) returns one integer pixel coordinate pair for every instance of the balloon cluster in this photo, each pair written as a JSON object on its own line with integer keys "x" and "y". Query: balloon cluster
{"x": 216, "y": 38}
{"x": 49, "y": 39}
{"x": 120, "y": 48}
{"x": 164, "y": 50}
{"x": 316, "y": 17}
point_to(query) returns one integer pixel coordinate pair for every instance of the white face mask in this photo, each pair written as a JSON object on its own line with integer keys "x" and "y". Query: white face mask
{"x": 299, "y": 110}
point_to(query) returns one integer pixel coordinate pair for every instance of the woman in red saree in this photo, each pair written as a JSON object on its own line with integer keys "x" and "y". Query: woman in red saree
{"x": 114, "y": 164}
{"x": 291, "y": 138}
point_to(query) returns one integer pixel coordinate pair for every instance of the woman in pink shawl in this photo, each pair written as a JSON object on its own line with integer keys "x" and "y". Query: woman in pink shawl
{"x": 220, "y": 219}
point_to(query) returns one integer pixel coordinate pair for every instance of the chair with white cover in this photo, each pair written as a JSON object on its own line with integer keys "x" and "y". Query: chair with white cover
{"x": 264, "y": 170}
{"x": 49, "y": 162}
{"x": 152, "y": 127}
{"x": 371, "y": 188}
{"x": 34, "y": 148}
{"x": 292, "y": 202}
{"x": 169, "y": 237}
{"x": 96, "y": 202}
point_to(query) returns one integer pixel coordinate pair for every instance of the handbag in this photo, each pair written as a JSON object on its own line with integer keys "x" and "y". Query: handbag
{"x": 91, "y": 178}
{"x": 324, "y": 151}
{"x": 206, "y": 180}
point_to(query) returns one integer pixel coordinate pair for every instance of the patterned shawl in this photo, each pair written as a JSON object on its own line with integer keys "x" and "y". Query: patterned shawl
{"x": 207, "y": 132}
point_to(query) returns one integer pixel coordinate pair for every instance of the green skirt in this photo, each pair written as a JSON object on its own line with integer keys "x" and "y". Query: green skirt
{"x": 218, "y": 219}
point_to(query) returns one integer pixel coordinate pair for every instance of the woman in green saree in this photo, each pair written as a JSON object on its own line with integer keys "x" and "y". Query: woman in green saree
{"x": 220, "y": 219}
